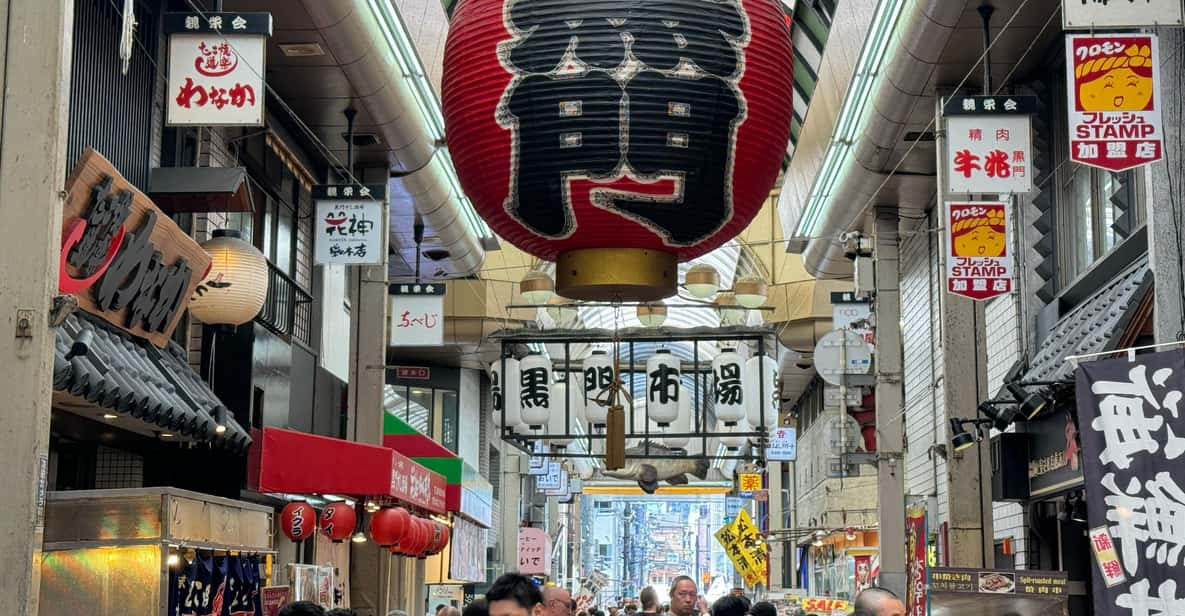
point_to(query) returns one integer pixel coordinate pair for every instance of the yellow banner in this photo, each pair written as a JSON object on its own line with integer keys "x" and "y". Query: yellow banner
{"x": 745, "y": 547}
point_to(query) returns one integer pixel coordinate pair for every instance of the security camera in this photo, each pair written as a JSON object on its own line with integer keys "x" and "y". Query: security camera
{"x": 855, "y": 244}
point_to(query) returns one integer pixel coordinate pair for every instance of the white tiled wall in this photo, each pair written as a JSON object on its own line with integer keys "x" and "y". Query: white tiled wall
{"x": 920, "y": 313}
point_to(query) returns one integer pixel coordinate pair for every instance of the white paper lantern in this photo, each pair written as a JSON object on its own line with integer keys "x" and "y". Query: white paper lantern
{"x": 758, "y": 402}
{"x": 733, "y": 437}
{"x": 537, "y": 288}
{"x": 504, "y": 391}
{"x": 534, "y": 390}
{"x": 728, "y": 388}
{"x": 598, "y": 376}
{"x": 558, "y": 422}
{"x": 233, "y": 291}
{"x": 681, "y": 424}
{"x": 662, "y": 387}
{"x": 651, "y": 315}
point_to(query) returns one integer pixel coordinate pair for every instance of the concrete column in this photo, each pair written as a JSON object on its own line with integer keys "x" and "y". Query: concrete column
{"x": 890, "y": 402}
{"x": 35, "y": 80}
{"x": 776, "y": 564}
{"x": 375, "y": 586}
{"x": 511, "y": 501}
{"x": 1166, "y": 238}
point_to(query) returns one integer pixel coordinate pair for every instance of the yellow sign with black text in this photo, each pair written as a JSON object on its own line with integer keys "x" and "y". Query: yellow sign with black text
{"x": 745, "y": 547}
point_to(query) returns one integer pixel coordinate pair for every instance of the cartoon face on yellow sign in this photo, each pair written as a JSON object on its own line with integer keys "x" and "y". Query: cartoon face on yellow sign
{"x": 979, "y": 236}
{"x": 1117, "y": 81}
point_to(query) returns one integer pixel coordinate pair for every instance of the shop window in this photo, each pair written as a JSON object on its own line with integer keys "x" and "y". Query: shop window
{"x": 446, "y": 405}
{"x": 420, "y": 406}
{"x": 116, "y": 469}
{"x": 1092, "y": 203}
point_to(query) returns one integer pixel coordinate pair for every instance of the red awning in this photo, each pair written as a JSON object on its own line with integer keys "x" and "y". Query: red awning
{"x": 298, "y": 463}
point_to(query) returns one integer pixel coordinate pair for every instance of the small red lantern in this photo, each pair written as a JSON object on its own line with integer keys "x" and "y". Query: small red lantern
{"x": 419, "y": 538}
{"x": 338, "y": 521}
{"x": 617, "y": 159}
{"x": 389, "y": 526}
{"x": 297, "y": 520}
{"x": 440, "y": 537}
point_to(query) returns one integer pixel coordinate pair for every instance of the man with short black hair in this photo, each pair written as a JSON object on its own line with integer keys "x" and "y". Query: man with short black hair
{"x": 684, "y": 594}
{"x": 649, "y": 600}
{"x": 302, "y": 608}
{"x": 879, "y": 602}
{"x": 515, "y": 595}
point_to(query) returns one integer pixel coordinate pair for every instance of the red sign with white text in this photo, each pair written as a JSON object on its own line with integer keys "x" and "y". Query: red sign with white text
{"x": 978, "y": 264}
{"x": 1113, "y": 86}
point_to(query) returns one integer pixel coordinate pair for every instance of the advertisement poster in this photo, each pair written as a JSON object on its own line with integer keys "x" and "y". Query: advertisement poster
{"x": 742, "y": 542}
{"x": 274, "y": 598}
{"x": 863, "y": 573}
{"x": 1133, "y": 446}
{"x": 978, "y": 264}
{"x": 1113, "y": 86}
{"x": 916, "y": 561}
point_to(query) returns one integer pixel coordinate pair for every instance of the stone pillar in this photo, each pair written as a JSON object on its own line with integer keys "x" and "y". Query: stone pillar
{"x": 35, "y": 80}
{"x": 890, "y": 402}
{"x": 1166, "y": 237}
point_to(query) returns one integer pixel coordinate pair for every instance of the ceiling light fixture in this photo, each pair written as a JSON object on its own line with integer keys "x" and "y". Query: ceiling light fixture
{"x": 750, "y": 291}
{"x": 537, "y": 288}
{"x": 702, "y": 281}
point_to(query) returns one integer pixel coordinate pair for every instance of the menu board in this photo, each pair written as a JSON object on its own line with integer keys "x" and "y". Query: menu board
{"x": 998, "y": 581}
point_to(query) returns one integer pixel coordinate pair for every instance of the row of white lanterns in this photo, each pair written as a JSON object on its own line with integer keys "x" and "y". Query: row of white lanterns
{"x": 534, "y": 402}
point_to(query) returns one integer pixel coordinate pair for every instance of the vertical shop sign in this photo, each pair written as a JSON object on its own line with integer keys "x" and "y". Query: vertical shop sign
{"x": 748, "y": 484}
{"x": 417, "y": 315}
{"x": 350, "y": 224}
{"x": 978, "y": 264}
{"x": 988, "y": 144}
{"x": 534, "y": 551}
{"x": 1094, "y": 14}
{"x": 916, "y": 561}
{"x": 1113, "y": 93}
{"x": 1132, "y": 427}
{"x": 216, "y": 68}
{"x": 783, "y": 445}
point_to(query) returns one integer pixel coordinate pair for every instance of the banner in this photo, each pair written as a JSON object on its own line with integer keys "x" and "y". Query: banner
{"x": 1132, "y": 426}
{"x": 1113, "y": 92}
{"x": 745, "y": 548}
{"x": 916, "y": 561}
{"x": 978, "y": 264}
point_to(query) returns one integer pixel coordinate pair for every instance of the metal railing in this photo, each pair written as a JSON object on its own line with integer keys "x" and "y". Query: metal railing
{"x": 288, "y": 309}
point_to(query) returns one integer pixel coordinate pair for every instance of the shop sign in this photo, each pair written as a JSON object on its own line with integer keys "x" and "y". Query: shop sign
{"x": 1113, "y": 85}
{"x": 990, "y": 151}
{"x": 273, "y": 598}
{"x": 122, "y": 257}
{"x": 746, "y": 549}
{"x": 413, "y": 373}
{"x": 783, "y": 445}
{"x": 216, "y": 68}
{"x": 417, "y": 485}
{"x": 852, "y": 314}
{"x": 1133, "y": 445}
{"x": 747, "y": 484}
{"x": 917, "y": 563}
{"x": 350, "y": 224}
{"x": 1095, "y": 14}
{"x": 417, "y": 315}
{"x": 998, "y": 581}
{"x": 561, "y": 490}
{"x": 476, "y": 497}
{"x": 534, "y": 551}
{"x": 1054, "y": 455}
{"x": 467, "y": 552}
{"x": 551, "y": 479}
{"x": 537, "y": 464}
{"x": 732, "y": 506}
{"x": 1106, "y": 557}
{"x": 825, "y": 605}
{"x": 978, "y": 264}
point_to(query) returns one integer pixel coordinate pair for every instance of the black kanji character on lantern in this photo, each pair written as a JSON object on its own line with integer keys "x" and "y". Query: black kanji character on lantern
{"x": 663, "y": 38}
{"x": 549, "y": 29}
{"x": 682, "y": 128}
{"x": 104, "y": 219}
{"x": 534, "y": 388}
{"x": 664, "y": 384}
{"x": 597, "y": 379}
{"x": 728, "y": 384}
{"x": 566, "y": 126}
{"x": 496, "y": 389}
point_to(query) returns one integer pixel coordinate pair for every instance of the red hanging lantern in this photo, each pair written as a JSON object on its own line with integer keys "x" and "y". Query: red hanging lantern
{"x": 389, "y": 526}
{"x": 298, "y": 520}
{"x": 338, "y": 521}
{"x": 617, "y": 160}
{"x": 419, "y": 539}
{"x": 440, "y": 538}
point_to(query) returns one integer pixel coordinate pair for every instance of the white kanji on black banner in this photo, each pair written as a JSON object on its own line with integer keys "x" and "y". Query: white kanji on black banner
{"x": 1132, "y": 427}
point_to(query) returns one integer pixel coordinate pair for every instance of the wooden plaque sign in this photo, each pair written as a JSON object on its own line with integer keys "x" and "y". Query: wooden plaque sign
{"x": 122, "y": 257}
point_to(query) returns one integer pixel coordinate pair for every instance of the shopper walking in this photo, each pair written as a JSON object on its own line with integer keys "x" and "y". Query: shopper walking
{"x": 880, "y": 602}
{"x": 684, "y": 596}
{"x": 649, "y": 600}
{"x": 515, "y": 595}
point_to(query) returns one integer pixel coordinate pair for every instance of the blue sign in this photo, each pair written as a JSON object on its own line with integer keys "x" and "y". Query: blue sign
{"x": 732, "y": 506}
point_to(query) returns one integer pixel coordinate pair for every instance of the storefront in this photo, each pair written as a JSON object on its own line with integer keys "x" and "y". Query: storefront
{"x": 839, "y": 564}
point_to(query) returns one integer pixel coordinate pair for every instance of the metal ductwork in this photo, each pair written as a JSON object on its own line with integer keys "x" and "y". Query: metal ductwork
{"x": 901, "y": 99}
{"x": 362, "y": 43}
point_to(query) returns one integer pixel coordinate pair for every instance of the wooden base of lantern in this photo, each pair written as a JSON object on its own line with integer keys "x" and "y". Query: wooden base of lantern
{"x": 616, "y": 274}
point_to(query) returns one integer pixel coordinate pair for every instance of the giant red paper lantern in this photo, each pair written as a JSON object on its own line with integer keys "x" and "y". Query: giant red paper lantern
{"x": 655, "y": 129}
{"x": 338, "y": 521}
{"x": 298, "y": 520}
{"x": 389, "y": 526}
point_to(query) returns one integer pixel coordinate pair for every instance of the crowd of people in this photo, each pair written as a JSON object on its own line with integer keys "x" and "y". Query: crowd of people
{"x": 517, "y": 595}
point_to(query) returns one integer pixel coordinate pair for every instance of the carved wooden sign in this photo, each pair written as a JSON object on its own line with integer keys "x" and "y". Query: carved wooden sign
{"x": 122, "y": 257}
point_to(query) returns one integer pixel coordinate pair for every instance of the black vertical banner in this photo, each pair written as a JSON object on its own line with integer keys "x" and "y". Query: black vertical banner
{"x": 1131, "y": 419}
